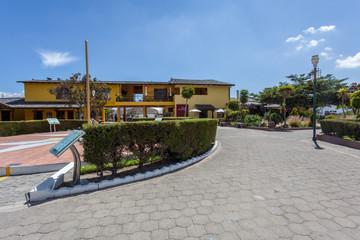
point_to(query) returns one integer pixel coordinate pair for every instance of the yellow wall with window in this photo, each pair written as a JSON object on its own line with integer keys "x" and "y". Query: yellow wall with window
{"x": 218, "y": 96}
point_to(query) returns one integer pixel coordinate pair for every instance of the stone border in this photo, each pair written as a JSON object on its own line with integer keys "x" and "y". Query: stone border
{"x": 46, "y": 189}
{"x": 339, "y": 141}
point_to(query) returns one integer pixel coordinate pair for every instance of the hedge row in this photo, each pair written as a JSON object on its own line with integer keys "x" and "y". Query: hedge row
{"x": 164, "y": 118}
{"x": 12, "y": 128}
{"x": 341, "y": 128}
{"x": 176, "y": 140}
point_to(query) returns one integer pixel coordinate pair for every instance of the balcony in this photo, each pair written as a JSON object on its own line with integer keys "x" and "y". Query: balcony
{"x": 141, "y": 98}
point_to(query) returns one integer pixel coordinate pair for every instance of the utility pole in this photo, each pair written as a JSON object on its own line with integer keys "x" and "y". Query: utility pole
{"x": 87, "y": 84}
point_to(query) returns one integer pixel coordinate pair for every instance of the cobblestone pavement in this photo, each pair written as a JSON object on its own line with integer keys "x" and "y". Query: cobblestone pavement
{"x": 13, "y": 188}
{"x": 257, "y": 185}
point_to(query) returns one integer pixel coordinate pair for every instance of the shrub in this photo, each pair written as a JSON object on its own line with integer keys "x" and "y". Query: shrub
{"x": 105, "y": 144}
{"x": 294, "y": 112}
{"x": 294, "y": 121}
{"x": 252, "y": 120}
{"x": 36, "y": 126}
{"x": 330, "y": 117}
{"x": 234, "y": 105}
{"x": 306, "y": 122}
{"x": 341, "y": 128}
{"x": 275, "y": 117}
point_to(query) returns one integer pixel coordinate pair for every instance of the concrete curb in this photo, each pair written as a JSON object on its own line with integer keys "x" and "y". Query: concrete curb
{"x": 13, "y": 171}
{"x": 46, "y": 189}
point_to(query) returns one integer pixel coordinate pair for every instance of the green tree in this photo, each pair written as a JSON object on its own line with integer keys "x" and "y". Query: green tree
{"x": 355, "y": 101}
{"x": 187, "y": 93}
{"x": 285, "y": 92}
{"x": 270, "y": 96}
{"x": 74, "y": 90}
{"x": 344, "y": 96}
{"x": 244, "y": 94}
{"x": 233, "y": 105}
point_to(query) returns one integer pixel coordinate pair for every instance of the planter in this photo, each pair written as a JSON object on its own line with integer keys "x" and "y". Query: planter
{"x": 339, "y": 141}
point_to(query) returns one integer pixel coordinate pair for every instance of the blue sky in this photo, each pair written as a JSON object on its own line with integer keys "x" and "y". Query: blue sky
{"x": 253, "y": 44}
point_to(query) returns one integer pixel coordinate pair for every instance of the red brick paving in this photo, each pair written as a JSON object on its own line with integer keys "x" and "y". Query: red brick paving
{"x": 36, "y": 155}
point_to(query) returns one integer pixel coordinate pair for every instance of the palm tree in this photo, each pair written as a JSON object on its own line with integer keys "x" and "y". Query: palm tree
{"x": 285, "y": 92}
{"x": 187, "y": 93}
{"x": 343, "y": 95}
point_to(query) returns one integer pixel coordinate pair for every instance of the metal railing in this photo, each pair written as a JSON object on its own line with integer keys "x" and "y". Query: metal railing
{"x": 137, "y": 98}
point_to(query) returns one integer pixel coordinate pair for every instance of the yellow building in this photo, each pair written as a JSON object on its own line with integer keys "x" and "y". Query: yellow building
{"x": 127, "y": 98}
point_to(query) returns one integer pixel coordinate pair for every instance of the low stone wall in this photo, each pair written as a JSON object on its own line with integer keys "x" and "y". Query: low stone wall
{"x": 339, "y": 141}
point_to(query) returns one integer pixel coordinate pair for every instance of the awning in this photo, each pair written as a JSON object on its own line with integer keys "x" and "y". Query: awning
{"x": 205, "y": 107}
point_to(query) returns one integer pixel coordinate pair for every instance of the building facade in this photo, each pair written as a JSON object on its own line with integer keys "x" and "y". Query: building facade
{"x": 127, "y": 98}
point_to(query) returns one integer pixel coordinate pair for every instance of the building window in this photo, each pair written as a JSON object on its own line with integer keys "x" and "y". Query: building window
{"x": 64, "y": 94}
{"x": 170, "y": 109}
{"x": 60, "y": 114}
{"x": 200, "y": 91}
{"x": 160, "y": 94}
{"x": 38, "y": 115}
{"x": 70, "y": 114}
{"x": 176, "y": 91}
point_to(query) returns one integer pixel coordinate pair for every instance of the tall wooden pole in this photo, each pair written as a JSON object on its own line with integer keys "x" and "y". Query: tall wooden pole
{"x": 87, "y": 84}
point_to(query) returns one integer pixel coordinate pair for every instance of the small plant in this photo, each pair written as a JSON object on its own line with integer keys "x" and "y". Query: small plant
{"x": 294, "y": 121}
{"x": 119, "y": 98}
{"x": 275, "y": 117}
{"x": 294, "y": 112}
{"x": 252, "y": 120}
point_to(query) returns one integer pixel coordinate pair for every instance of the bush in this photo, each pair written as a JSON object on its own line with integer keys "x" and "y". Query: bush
{"x": 294, "y": 112}
{"x": 341, "y": 128}
{"x": 275, "y": 117}
{"x": 330, "y": 117}
{"x": 180, "y": 140}
{"x": 294, "y": 121}
{"x": 234, "y": 105}
{"x": 252, "y": 120}
{"x": 36, "y": 126}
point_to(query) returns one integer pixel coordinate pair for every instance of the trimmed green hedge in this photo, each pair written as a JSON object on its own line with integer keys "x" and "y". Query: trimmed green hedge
{"x": 12, "y": 128}
{"x": 341, "y": 128}
{"x": 106, "y": 144}
{"x": 164, "y": 118}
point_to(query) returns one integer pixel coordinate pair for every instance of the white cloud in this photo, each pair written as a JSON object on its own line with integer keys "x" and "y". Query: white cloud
{"x": 312, "y": 30}
{"x": 294, "y": 39}
{"x": 313, "y": 43}
{"x": 298, "y": 48}
{"x": 326, "y": 28}
{"x": 55, "y": 59}
{"x": 11, "y": 95}
{"x": 349, "y": 62}
{"x": 328, "y": 49}
{"x": 326, "y": 55}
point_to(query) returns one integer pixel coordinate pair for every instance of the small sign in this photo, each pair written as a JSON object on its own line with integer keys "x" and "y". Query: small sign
{"x": 53, "y": 121}
{"x": 158, "y": 119}
{"x": 64, "y": 144}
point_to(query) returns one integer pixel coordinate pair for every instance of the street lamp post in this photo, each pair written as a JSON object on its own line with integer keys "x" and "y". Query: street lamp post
{"x": 93, "y": 94}
{"x": 314, "y": 61}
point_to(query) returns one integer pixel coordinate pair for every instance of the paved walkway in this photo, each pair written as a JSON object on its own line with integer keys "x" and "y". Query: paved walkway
{"x": 258, "y": 185}
{"x": 32, "y": 149}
